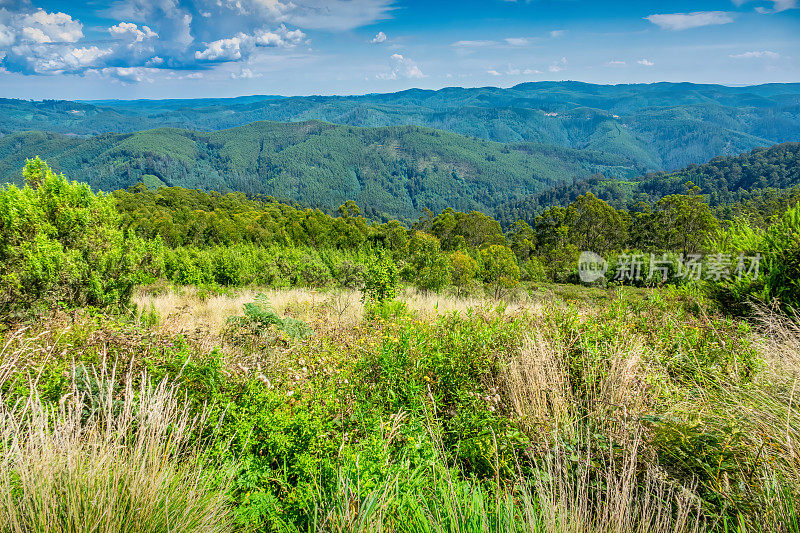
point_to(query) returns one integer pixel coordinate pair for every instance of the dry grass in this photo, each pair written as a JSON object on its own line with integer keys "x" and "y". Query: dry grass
{"x": 188, "y": 311}
{"x": 111, "y": 460}
{"x": 568, "y": 500}
{"x": 538, "y": 383}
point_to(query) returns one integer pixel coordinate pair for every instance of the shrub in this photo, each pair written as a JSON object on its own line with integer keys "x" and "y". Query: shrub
{"x": 500, "y": 268}
{"x": 427, "y": 267}
{"x": 777, "y": 279}
{"x": 380, "y": 279}
{"x": 59, "y": 242}
{"x": 259, "y": 316}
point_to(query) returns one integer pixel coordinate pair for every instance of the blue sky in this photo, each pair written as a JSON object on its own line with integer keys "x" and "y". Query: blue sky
{"x": 198, "y": 48}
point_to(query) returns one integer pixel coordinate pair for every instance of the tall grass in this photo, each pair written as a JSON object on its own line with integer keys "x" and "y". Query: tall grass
{"x": 109, "y": 457}
{"x": 566, "y": 495}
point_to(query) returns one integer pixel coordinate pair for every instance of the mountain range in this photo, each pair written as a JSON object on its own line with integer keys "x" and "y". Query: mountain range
{"x": 394, "y": 154}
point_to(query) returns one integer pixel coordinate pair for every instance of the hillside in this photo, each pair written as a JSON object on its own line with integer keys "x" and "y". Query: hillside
{"x": 724, "y": 181}
{"x": 662, "y": 126}
{"x": 389, "y": 172}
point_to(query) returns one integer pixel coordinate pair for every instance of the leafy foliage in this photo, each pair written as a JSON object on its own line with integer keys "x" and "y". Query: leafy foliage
{"x": 776, "y": 277}
{"x": 60, "y": 243}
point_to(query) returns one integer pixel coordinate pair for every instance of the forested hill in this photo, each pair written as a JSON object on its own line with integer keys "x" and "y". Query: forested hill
{"x": 391, "y": 172}
{"x": 662, "y": 126}
{"x": 724, "y": 182}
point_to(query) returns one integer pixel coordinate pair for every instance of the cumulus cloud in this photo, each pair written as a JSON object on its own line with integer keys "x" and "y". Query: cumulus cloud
{"x": 151, "y": 35}
{"x": 132, "y": 32}
{"x": 245, "y": 73}
{"x": 282, "y": 37}
{"x": 558, "y": 66}
{"x": 7, "y": 36}
{"x": 379, "y": 38}
{"x": 44, "y": 27}
{"x": 38, "y": 58}
{"x": 242, "y": 45}
{"x": 224, "y": 49}
{"x": 685, "y": 21}
{"x": 493, "y": 72}
{"x": 761, "y": 54}
{"x": 645, "y": 62}
{"x": 402, "y": 67}
{"x": 127, "y": 74}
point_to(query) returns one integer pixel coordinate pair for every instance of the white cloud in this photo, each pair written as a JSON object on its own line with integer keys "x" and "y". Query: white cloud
{"x": 223, "y": 49}
{"x": 132, "y": 32}
{"x": 557, "y": 33}
{"x": 7, "y": 36}
{"x": 473, "y": 44}
{"x": 558, "y": 66}
{"x": 402, "y": 67}
{"x": 645, "y": 62}
{"x": 685, "y": 21}
{"x": 241, "y": 45}
{"x": 55, "y": 59}
{"x": 762, "y": 54}
{"x": 777, "y": 5}
{"x": 245, "y": 73}
{"x": 493, "y": 72}
{"x": 36, "y": 35}
{"x": 616, "y": 63}
{"x": 282, "y": 37}
{"x": 127, "y": 74}
{"x": 379, "y": 38}
{"x": 340, "y": 15}
{"x": 518, "y": 41}
{"x": 44, "y": 27}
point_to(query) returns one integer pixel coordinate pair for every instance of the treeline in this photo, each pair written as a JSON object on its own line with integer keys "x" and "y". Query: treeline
{"x": 61, "y": 243}
{"x": 438, "y": 250}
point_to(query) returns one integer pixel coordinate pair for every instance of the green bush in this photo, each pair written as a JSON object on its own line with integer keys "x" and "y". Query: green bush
{"x": 777, "y": 278}
{"x": 380, "y": 279}
{"x": 60, "y": 243}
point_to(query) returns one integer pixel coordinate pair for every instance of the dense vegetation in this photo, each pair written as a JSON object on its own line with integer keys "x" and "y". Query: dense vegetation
{"x": 389, "y": 172}
{"x": 661, "y": 126}
{"x": 757, "y": 182}
{"x": 356, "y": 389}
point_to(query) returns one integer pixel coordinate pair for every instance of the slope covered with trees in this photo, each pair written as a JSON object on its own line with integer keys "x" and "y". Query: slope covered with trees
{"x": 389, "y": 172}
{"x": 754, "y": 182}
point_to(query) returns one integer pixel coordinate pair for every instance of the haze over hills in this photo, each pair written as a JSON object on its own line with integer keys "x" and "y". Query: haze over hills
{"x": 661, "y": 126}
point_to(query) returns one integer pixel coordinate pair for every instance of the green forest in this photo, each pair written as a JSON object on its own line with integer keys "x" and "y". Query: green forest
{"x": 659, "y": 126}
{"x": 390, "y": 172}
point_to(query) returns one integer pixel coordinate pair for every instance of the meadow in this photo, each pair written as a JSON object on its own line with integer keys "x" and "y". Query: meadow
{"x": 560, "y": 409}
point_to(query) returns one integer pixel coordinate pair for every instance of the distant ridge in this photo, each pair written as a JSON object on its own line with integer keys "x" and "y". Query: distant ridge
{"x": 659, "y": 126}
